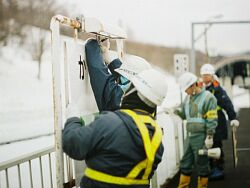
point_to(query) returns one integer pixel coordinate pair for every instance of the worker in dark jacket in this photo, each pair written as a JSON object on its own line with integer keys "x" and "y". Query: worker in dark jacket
{"x": 223, "y": 104}
{"x": 121, "y": 148}
{"x": 109, "y": 77}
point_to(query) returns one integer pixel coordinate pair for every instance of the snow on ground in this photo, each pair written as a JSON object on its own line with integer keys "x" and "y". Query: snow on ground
{"x": 241, "y": 98}
{"x": 26, "y": 110}
{"x": 26, "y": 105}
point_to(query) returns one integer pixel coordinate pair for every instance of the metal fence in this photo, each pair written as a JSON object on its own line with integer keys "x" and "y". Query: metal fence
{"x": 22, "y": 175}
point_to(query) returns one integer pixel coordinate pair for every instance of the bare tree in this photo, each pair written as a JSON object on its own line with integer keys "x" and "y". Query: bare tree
{"x": 8, "y": 25}
{"x": 37, "y": 46}
{"x": 19, "y": 17}
{"x": 41, "y": 13}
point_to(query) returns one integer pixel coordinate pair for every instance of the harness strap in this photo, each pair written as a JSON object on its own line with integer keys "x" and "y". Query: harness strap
{"x": 150, "y": 145}
{"x": 199, "y": 118}
{"x": 106, "y": 178}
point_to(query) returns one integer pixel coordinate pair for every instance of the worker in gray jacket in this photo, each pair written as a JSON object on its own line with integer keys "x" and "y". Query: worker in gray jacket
{"x": 199, "y": 109}
{"x": 121, "y": 148}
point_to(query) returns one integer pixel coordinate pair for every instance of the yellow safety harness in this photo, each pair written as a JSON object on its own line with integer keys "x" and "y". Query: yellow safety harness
{"x": 150, "y": 145}
{"x": 218, "y": 106}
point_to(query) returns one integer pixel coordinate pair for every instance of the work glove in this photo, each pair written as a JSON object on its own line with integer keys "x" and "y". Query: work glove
{"x": 169, "y": 111}
{"x": 235, "y": 123}
{"x": 209, "y": 141}
{"x": 108, "y": 55}
{"x": 72, "y": 111}
{"x": 173, "y": 110}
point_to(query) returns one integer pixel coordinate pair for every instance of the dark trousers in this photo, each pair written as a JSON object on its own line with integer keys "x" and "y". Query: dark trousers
{"x": 219, "y": 163}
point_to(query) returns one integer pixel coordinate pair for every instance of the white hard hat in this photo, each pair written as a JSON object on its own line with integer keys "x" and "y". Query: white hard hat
{"x": 207, "y": 69}
{"x": 152, "y": 85}
{"x": 132, "y": 65}
{"x": 186, "y": 80}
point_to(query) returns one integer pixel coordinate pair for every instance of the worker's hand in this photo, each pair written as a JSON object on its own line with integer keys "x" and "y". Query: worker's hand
{"x": 235, "y": 123}
{"x": 105, "y": 46}
{"x": 174, "y": 110}
{"x": 209, "y": 141}
{"x": 72, "y": 111}
{"x": 104, "y": 43}
{"x": 108, "y": 55}
{"x": 169, "y": 111}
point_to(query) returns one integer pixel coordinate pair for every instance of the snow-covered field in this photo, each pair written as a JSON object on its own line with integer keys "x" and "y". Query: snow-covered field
{"x": 26, "y": 105}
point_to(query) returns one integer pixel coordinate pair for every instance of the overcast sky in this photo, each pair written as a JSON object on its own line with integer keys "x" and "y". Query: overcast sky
{"x": 168, "y": 22}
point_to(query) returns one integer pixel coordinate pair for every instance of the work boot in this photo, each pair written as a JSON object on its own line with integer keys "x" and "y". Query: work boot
{"x": 202, "y": 182}
{"x": 184, "y": 181}
{"x": 216, "y": 174}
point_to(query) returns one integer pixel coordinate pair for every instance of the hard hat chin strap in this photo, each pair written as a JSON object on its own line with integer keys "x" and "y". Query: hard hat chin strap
{"x": 129, "y": 91}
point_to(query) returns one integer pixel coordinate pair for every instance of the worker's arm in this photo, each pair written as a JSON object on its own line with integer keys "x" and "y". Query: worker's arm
{"x": 76, "y": 138}
{"x": 181, "y": 111}
{"x": 107, "y": 93}
{"x": 115, "y": 64}
{"x": 210, "y": 114}
{"x": 225, "y": 102}
{"x": 80, "y": 141}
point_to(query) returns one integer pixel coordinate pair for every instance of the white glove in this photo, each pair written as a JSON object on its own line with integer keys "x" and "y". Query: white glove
{"x": 235, "y": 123}
{"x": 108, "y": 55}
{"x": 72, "y": 111}
{"x": 209, "y": 141}
{"x": 172, "y": 110}
{"x": 169, "y": 111}
{"x": 105, "y": 46}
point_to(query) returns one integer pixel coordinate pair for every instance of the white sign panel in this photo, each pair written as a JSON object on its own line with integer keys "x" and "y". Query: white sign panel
{"x": 181, "y": 64}
{"x": 77, "y": 83}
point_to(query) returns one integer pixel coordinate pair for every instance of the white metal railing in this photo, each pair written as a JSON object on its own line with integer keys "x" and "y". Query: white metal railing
{"x": 28, "y": 158}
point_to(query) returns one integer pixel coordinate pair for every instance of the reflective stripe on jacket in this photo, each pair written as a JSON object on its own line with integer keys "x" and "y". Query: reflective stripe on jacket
{"x": 199, "y": 118}
{"x": 200, "y": 112}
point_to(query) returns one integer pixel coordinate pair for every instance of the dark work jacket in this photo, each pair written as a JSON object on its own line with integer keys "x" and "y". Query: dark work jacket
{"x": 106, "y": 91}
{"x": 111, "y": 144}
{"x": 225, "y": 103}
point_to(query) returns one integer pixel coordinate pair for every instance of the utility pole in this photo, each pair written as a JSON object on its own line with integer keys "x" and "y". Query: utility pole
{"x": 194, "y": 40}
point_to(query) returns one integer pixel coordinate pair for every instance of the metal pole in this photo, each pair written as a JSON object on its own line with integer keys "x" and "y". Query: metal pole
{"x": 206, "y": 48}
{"x": 192, "y": 67}
{"x": 55, "y": 43}
{"x": 223, "y": 22}
{"x": 193, "y": 40}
